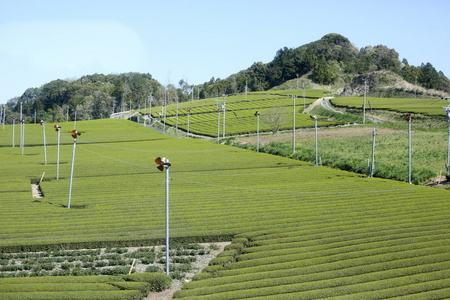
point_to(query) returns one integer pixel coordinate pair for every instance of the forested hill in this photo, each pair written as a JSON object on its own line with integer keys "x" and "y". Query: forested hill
{"x": 331, "y": 61}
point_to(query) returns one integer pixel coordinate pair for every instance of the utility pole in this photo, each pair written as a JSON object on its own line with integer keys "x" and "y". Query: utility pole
{"x": 246, "y": 89}
{"x": 75, "y": 134}
{"x": 164, "y": 110}
{"x": 447, "y": 110}
{"x": 409, "y": 119}
{"x": 293, "y": 128}
{"x": 164, "y": 164}
{"x": 14, "y": 129}
{"x": 223, "y": 108}
{"x": 57, "y": 128}
{"x": 45, "y": 142}
{"x": 188, "y": 111}
{"x": 176, "y": 119}
{"x": 372, "y": 167}
{"x": 20, "y": 126}
{"x": 364, "y": 105}
{"x": 297, "y": 81}
{"x": 218, "y": 125}
{"x": 315, "y": 125}
{"x": 257, "y": 130}
{"x": 150, "y": 109}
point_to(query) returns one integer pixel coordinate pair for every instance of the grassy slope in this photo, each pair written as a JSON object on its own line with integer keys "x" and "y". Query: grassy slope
{"x": 217, "y": 192}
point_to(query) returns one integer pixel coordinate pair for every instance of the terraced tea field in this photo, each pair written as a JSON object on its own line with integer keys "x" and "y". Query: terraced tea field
{"x": 240, "y": 112}
{"x": 429, "y": 107}
{"x": 298, "y": 231}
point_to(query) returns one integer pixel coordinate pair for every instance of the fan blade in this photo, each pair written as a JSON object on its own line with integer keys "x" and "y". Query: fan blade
{"x": 158, "y": 161}
{"x": 160, "y": 167}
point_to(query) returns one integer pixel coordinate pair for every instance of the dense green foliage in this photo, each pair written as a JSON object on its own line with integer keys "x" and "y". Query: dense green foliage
{"x": 92, "y": 96}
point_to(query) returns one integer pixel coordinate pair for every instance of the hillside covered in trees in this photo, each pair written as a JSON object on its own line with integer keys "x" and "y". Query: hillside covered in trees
{"x": 332, "y": 60}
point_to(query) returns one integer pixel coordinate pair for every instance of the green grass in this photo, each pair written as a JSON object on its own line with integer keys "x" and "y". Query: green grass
{"x": 303, "y": 231}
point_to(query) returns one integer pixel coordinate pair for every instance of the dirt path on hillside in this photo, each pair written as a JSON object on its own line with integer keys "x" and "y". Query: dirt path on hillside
{"x": 197, "y": 268}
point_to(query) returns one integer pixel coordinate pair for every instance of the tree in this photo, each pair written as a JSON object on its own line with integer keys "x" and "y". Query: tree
{"x": 274, "y": 118}
{"x": 323, "y": 73}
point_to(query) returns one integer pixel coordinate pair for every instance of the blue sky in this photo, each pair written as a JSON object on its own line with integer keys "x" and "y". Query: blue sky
{"x": 45, "y": 40}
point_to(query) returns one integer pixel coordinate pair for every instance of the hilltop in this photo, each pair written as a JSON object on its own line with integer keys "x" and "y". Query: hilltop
{"x": 335, "y": 64}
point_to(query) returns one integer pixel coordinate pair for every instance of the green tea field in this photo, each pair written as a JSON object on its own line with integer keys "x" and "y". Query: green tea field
{"x": 429, "y": 107}
{"x": 298, "y": 231}
{"x": 240, "y": 112}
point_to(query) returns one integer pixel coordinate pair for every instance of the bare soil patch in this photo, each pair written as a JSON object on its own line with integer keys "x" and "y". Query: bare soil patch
{"x": 308, "y": 134}
{"x": 197, "y": 267}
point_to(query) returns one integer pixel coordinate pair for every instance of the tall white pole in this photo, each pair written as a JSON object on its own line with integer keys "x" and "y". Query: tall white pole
{"x": 364, "y": 105}
{"x": 23, "y": 135}
{"x": 223, "y": 107}
{"x": 57, "y": 159}
{"x": 14, "y": 129}
{"x": 218, "y": 126}
{"x": 45, "y": 142}
{"x": 257, "y": 131}
{"x": 150, "y": 109}
{"x": 176, "y": 118}
{"x": 165, "y": 111}
{"x": 188, "y": 111}
{"x": 372, "y": 167}
{"x": 293, "y": 128}
{"x": 245, "y": 89}
{"x": 448, "y": 152}
{"x": 167, "y": 217}
{"x": 20, "y": 125}
{"x": 409, "y": 138}
{"x": 317, "y": 152}
{"x": 447, "y": 110}
{"x": 71, "y": 170}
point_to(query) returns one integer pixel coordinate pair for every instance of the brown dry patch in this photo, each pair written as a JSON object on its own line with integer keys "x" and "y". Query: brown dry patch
{"x": 308, "y": 134}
